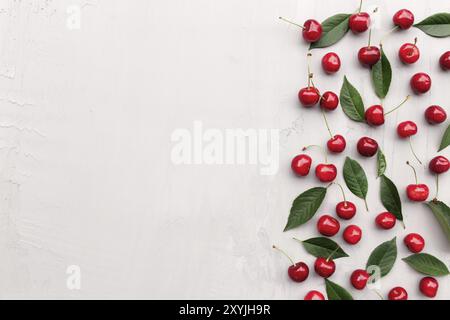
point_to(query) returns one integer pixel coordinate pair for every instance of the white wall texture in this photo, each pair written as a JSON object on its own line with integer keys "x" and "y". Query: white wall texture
{"x": 86, "y": 117}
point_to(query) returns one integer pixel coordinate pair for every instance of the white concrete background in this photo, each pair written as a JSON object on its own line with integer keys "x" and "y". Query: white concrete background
{"x": 85, "y": 123}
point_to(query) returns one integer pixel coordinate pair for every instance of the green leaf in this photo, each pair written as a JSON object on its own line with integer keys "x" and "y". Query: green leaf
{"x": 324, "y": 248}
{"x": 355, "y": 178}
{"x": 427, "y": 264}
{"x": 390, "y": 197}
{"x": 442, "y": 213}
{"x": 336, "y": 292}
{"x": 334, "y": 29}
{"x": 445, "y": 139}
{"x": 351, "y": 102}
{"x": 382, "y": 76}
{"x": 381, "y": 163}
{"x": 384, "y": 256}
{"x": 305, "y": 207}
{"x": 437, "y": 25}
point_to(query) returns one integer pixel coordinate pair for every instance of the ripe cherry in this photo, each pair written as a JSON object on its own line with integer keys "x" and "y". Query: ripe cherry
{"x": 386, "y": 220}
{"x": 444, "y": 61}
{"x": 311, "y": 29}
{"x": 417, "y": 192}
{"x": 328, "y": 226}
{"x": 301, "y": 165}
{"x": 325, "y": 172}
{"x": 352, "y": 234}
{"x": 368, "y": 56}
{"x": 331, "y": 63}
{"x": 345, "y": 210}
{"x": 359, "y": 22}
{"x": 409, "y": 53}
{"x": 337, "y": 144}
{"x": 398, "y": 293}
{"x": 439, "y": 165}
{"x": 324, "y": 267}
{"x": 421, "y": 83}
{"x": 367, "y": 147}
{"x": 309, "y": 96}
{"x": 414, "y": 242}
{"x": 359, "y": 279}
{"x": 329, "y": 101}
{"x": 299, "y": 271}
{"x": 429, "y": 287}
{"x": 435, "y": 115}
{"x": 314, "y": 295}
{"x": 406, "y": 129}
{"x": 375, "y": 115}
{"x": 403, "y": 19}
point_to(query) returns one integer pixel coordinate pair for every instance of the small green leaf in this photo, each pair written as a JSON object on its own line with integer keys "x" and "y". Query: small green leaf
{"x": 336, "y": 292}
{"x": 382, "y": 76}
{"x": 390, "y": 197}
{"x": 442, "y": 213}
{"x": 427, "y": 264}
{"x": 437, "y": 25}
{"x": 384, "y": 256}
{"x": 355, "y": 178}
{"x": 381, "y": 163}
{"x": 445, "y": 142}
{"x": 305, "y": 207}
{"x": 351, "y": 102}
{"x": 333, "y": 29}
{"x": 324, "y": 248}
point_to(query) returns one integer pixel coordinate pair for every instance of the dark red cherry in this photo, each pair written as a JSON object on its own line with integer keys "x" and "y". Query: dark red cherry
{"x": 403, "y": 19}
{"x": 324, "y": 268}
{"x": 301, "y": 164}
{"x": 435, "y": 115}
{"x": 312, "y": 30}
{"x": 329, "y": 101}
{"x": 314, "y": 295}
{"x": 421, "y": 83}
{"x": 352, "y": 234}
{"x": 439, "y": 165}
{"x": 359, "y": 279}
{"x": 309, "y": 96}
{"x": 417, "y": 192}
{"x": 414, "y": 242}
{"x": 298, "y": 272}
{"x": 337, "y": 144}
{"x": 368, "y": 56}
{"x": 398, "y": 293}
{"x": 406, "y": 129}
{"x": 328, "y": 226}
{"x": 345, "y": 210}
{"x": 326, "y": 172}
{"x": 429, "y": 287}
{"x": 444, "y": 61}
{"x": 359, "y": 22}
{"x": 367, "y": 147}
{"x": 331, "y": 63}
{"x": 375, "y": 115}
{"x": 386, "y": 220}
{"x": 409, "y": 53}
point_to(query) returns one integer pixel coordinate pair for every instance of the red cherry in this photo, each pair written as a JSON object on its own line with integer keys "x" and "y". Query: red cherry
{"x": 444, "y": 61}
{"x": 414, "y": 242}
{"x": 406, "y": 129}
{"x": 421, "y": 83}
{"x": 331, "y": 63}
{"x": 417, "y": 192}
{"x": 337, "y": 144}
{"x": 326, "y": 172}
{"x": 309, "y": 97}
{"x": 398, "y": 293}
{"x": 314, "y": 295}
{"x": 367, "y": 147}
{"x": 359, "y": 22}
{"x": 429, "y": 287}
{"x": 375, "y": 115}
{"x": 312, "y": 30}
{"x": 352, "y": 234}
{"x": 439, "y": 165}
{"x": 403, "y": 19}
{"x": 359, "y": 279}
{"x": 298, "y": 272}
{"x": 409, "y": 53}
{"x": 329, "y": 101}
{"x": 328, "y": 226}
{"x": 368, "y": 56}
{"x": 345, "y": 210}
{"x": 386, "y": 220}
{"x": 435, "y": 115}
{"x": 324, "y": 268}
{"x": 301, "y": 165}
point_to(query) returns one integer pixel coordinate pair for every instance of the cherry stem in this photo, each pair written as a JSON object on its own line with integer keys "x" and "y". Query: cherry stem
{"x": 310, "y": 75}
{"x": 378, "y": 294}
{"x": 413, "y": 152}
{"x": 415, "y": 41}
{"x": 399, "y": 106}
{"x": 388, "y": 33}
{"x": 343, "y": 192}
{"x": 321, "y": 149}
{"x": 326, "y": 122}
{"x": 367, "y": 206}
{"x": 284, "y": 253}
{"x": 293, "y": 23}
{"x": 415, "y": 172}
{"x": 370, "y": 36}
{"x": 332, "y": 253}
{"x": 437, "y": 186}
{"x": 360, "y": 6}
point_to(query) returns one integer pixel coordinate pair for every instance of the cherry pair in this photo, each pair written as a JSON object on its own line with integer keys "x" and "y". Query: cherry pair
{"x": 329, "y": 226}
{"x": 301, "y": 166}
{"x": 428, "y": 286}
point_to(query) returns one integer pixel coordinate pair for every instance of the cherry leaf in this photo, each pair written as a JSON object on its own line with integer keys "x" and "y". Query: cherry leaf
{"x": 382, "y": 76}
{"x": 381, "y": 163}
{"x": 324, "y": 248}
{"x": 445, "y": 142}
{"x": 437, "y": 25}
{"x": 442, "y": 213}
{"x": 383, "y": 256}
{"x": 355, "y": 178}
{"x": 390, "y": 197}
{"x": 351, "y": 102}
{"x": 333, "y": 29}
{"x": 336, "y": 292}
{"x": 427, "y": 264}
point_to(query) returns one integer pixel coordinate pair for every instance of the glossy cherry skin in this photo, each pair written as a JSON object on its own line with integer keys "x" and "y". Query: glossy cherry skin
{"x": 435, "y": 114}
{"x": 345, "y": 210}
{"x": 301, "y": 165}
{"x": 421, "y": 83}
{"x": 324, "y": 268}
{"x": 368, "y": 56}
{"x": 406, "y": 129}
{"x": 403, "y": 19}
{"x": 328, "y": 226}
{"x": 417, "y": 192}
{"x": 439, "y": 165}
{"x": 414, "y": 242}
{"x": 329, "y": 101}
{"x": 309, "y": 97}
{"x": 326, "y": 172}
{"x": 444, "y": 61}
{"x": 298, "y": 272}
{"x": 331, "y": 63}
{"x": 367, "y": 147}
{"x": 375, "y": 115}
{"x": 409, "y": 53}
{"x": 312, "y": 31}
{"x": 398, "y": 293}
{"x": 359, "y": 279}
{"x": 337, "y": 144}
{"x": 314, "y": 295}
{"x": 359, "y": 22}
{"x": 385, "y": 220}
{"x": 429, "y": 287}
{"x": 352, "y": 234}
